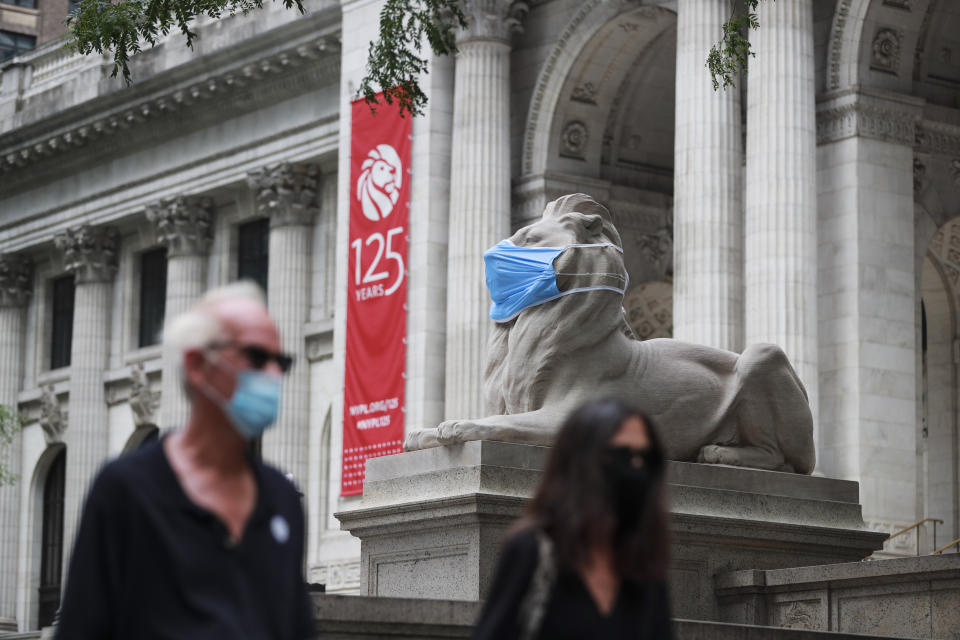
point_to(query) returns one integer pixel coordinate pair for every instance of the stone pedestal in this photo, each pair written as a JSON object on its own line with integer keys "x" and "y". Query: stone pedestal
{"x": 430, "y": 522}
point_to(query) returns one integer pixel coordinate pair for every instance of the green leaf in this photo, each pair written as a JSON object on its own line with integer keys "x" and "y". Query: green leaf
{"x": 394, "y": 63}
{"x": 729, "y": 57}
{"x": 101, "y": 26}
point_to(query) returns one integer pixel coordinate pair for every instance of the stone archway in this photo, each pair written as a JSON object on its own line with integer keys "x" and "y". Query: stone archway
{"x": 939, "y": 444}
{"x": 33, "y": 548}
{"x": 601, "y": 121}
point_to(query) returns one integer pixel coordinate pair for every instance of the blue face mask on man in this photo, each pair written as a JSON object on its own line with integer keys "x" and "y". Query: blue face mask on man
{"x": 522, "y": 277}
{"x": 255, "y": 403}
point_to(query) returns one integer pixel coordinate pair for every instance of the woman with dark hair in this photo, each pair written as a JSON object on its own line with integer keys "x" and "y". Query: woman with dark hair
{"x": 589, "y": 559}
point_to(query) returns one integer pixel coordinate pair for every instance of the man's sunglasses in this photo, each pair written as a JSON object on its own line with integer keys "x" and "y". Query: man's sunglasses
{"x": 258, "y": 357}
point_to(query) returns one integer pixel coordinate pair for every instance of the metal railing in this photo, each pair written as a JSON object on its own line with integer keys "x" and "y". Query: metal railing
{"x": 916, "y": 525}
{"x": 947, "y": 546}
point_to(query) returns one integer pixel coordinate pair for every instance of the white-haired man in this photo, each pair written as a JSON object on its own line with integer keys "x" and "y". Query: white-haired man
{"x": 190, "y": 537}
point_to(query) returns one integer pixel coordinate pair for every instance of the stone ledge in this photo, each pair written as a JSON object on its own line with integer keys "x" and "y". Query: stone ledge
{"x": 926, "y": 568}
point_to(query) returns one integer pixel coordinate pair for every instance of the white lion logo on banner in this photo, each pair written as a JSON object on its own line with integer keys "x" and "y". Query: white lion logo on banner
{"x": 381, "y": 177}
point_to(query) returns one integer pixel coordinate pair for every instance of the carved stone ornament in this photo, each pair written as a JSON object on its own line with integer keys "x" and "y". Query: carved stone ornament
{"x": 492, "y": 19}
{"x": 184, "y": 224}
{"x": 919, "y": 174}
{"x": 573, "y": 141}
{"x": 945, "y": 249}
{"x": 854, "y": 114}
{"x": 886, "y": 50}
{"x": 799, "y": 615}
{"x": 342, "y": 575}
{"x": 143, "y": 401}
{"x": 955, "y": 171}
{"x": 89, "y": 252}
{"x": 586, "y": 93}
{"x": 286, "y": 193}
{"x": 16, "y": 280}
{"x": 649, "y": 308}
{"x": 52, "y": 419}
{"x": 658, "y": 248}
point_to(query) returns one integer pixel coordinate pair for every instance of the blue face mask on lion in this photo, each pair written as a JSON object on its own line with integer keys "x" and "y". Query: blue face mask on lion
{"x": 522, "y": 277}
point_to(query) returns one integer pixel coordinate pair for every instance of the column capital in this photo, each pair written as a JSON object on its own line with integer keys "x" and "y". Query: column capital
{"x": 16, "y": 280}
{"x": 184, "y": 224}
{"x": 286, "y": 193}
{"x": 492, "y": 19}
{"x": 89, "y": 252}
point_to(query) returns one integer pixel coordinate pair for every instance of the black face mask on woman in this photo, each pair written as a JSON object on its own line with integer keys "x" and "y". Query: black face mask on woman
{"x": 629, "y": 476}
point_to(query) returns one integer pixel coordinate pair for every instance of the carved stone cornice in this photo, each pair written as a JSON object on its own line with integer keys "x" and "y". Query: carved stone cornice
{"x": 16, "y": 280}
{"x": 89, "y": 252}
{"x": 184, "y": 224}
{"x": 492, "y": 19}
{"x": 849, "y": 114}
{"x": 938, "y": 138}
{"x": 286, "y": 193}
{"x": 266, "y": 76}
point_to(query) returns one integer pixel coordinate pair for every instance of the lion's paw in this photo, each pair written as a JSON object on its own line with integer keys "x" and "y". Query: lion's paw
{"x": 423, "y": 439}
{"x": 450, "y": 432}
{"x": 716, "y": 454}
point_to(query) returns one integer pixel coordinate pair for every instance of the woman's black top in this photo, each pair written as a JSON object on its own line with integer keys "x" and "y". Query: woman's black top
{"x": 641, "y": 611}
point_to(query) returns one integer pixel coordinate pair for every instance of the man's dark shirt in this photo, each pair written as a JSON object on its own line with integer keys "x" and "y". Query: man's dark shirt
{"x": 148, "y": 563}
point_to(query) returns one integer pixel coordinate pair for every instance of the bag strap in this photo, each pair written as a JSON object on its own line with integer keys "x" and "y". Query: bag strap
{"x": 534, "y": 603}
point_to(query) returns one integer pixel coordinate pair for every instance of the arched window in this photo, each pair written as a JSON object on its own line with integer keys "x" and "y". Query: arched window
{"x": 51, "y": 553}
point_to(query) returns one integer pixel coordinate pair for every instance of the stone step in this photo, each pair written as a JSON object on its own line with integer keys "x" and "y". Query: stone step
{"x": 370, "y": 618}
{"x": 377, "y": 618}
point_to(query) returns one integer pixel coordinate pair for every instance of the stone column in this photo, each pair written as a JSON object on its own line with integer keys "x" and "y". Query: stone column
{"x": 16, "y": 279}
{"x": 708, "y": 182}
{"x": 867, "y": 304}
{"x": 90, "y": 253}
{"x": 184, "y": 227}
{"x": 287, "y": 194}
{"x": 781, "y": 206}
{"x": 479, "y": 191}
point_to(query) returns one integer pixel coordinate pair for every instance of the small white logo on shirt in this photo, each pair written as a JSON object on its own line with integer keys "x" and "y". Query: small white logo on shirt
{"x": 280, "y": 529}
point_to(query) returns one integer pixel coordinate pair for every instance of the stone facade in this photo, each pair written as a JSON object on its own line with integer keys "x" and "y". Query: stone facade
{"x": 821, "y": 212}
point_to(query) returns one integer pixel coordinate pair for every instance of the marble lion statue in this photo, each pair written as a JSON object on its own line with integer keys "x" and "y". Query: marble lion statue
{"x": 711, "y": 405}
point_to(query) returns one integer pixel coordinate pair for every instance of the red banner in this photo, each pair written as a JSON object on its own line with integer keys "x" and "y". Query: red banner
{"x": 373, "y": 402}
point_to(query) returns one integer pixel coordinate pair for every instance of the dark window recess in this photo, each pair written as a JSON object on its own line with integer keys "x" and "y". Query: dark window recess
{"x": 61, "y": 337}
{"x": 153, "y": 295}
{"x": 12, "y": 44}
{"x": 51, "y": 552}
{"x": 923, "y": 326}
{"x": 253, "y": 251}
{"x": 29, "y": 4}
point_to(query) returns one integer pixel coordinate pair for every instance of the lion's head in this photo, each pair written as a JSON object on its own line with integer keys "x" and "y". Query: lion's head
{"x": 522, "y": 351}
{"x": 378, "y": 187}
